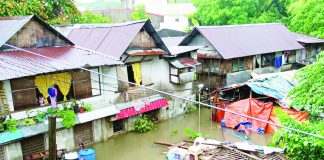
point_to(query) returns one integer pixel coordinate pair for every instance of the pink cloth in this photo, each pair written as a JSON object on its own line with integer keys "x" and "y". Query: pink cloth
{"x": 129, "y": 112}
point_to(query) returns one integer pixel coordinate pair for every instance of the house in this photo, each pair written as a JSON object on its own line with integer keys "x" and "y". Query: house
{"x": 173, "y": 12}
{"x": 25, "y": 78}
{"x": 232, "y": 52}
{"x": 313, "y": 47}
{"x": 147, "y": 61}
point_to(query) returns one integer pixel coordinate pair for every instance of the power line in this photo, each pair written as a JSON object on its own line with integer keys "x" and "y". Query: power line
{"x": 165, "y": 93}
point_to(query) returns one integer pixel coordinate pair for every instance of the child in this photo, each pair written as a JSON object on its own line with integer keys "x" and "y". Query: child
{"x": 41, "y": 100}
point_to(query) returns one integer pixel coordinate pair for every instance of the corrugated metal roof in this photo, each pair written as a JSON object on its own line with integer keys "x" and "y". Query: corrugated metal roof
{"x": 114, "y": 39}
{"x": 234, "y": 41}
{"x": 140, "y": 52}
{"x": 15, "y": 64}
{"x": 184, "y": 62}
{"x": 172, "y": 41}
{"x": 307, "y": 39}
{"x": 11, "y": 25}
{"x": 175, "y": 50}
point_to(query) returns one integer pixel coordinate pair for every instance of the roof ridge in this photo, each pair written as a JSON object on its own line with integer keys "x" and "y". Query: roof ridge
{"x": 91, "y": 26}
{"x": 239, "y": 25}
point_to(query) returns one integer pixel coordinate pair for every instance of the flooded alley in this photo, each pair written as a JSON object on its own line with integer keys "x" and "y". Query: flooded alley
{"x": 140, "y": 146}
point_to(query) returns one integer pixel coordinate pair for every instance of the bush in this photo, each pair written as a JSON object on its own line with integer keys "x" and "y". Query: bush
{"x": 68, "y": 118}
{"x": 191, "y": 108}
{"x": 144, "y": 124}
{"x": 2, "y": 127}
{"x": 298, "y": 145}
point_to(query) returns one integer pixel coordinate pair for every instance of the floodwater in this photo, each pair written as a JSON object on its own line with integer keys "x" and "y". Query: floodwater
{"x": 140, "y": 146}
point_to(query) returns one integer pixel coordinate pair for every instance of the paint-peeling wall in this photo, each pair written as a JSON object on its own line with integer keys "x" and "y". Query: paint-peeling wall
{"x": 142, "y": 40}
{"x": 35, "y": 35}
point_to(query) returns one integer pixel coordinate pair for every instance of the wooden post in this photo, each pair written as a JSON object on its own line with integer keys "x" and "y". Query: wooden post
{"x": 52, "y": 137}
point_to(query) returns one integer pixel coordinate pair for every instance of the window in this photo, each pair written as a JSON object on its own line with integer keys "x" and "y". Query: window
{"x": 177, "y": 20}
{"x": 238, "y": 64}
{"x": 83, "y": 132}
{"x": 23, "y": 93}
{"x": 152, "y": 115}
{"x": 118, "y": 126}
{"x": 134, "y": 73}
{"x": 211, "y": 65}
{"x": 32, "y": 91}
{"x": 267, "y": 60}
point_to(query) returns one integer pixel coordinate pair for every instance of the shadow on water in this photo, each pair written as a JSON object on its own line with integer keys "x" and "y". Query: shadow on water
{"x": 139, "y": 146}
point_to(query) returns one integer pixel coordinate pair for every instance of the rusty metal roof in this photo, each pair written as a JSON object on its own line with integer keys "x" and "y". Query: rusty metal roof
{"x": 11, "y": 25}
{"x": 112, "y": 39}
{"x": 15, "y": 64}
{"x": 233, "y": 41}
{"x": 307, "y": 39}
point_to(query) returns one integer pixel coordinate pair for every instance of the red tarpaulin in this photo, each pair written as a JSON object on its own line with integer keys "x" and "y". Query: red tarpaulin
{"x": 248, "y": 107}
{"x": 257, "y": 109}
{"x": 298, "y": 116}
{"x": 129, "y": 112}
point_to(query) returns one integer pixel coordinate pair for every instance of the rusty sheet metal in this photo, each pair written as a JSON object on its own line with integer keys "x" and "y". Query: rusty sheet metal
{"x": 307, "y": 39}
{"x": 140, "y": 52}
{"x": 15, "y": 64}
{"x": 184, "y": 62}
{"x": 11, "y": 25}
{"x": 112, "y": 40}
{"x": 233, "y": 41}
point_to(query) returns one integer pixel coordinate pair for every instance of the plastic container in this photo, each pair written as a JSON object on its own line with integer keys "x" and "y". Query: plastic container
{"x": 87, "y": 154}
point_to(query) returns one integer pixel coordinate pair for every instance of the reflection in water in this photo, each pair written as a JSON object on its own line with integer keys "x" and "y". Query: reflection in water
{"x": 139, "y": 146}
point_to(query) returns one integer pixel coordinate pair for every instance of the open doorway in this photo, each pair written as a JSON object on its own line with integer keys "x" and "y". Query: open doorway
{"x": 130, "y": 73}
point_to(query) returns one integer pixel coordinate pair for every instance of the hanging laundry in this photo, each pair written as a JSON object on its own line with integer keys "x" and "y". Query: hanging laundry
{"x": 278, "y": 62}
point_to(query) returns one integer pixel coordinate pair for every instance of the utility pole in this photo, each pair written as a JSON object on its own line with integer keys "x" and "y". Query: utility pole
{"x": 52, "y": 137}
{"x": 52, "y": 91}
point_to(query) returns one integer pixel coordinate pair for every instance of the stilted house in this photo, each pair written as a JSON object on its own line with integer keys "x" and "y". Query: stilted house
{"x": 232, "y": 52}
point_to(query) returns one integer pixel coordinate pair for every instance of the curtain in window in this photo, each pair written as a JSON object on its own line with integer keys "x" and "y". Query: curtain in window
{"x": 63, "y": 80}
{"x": 43, "y": 83}
{"x": 137, "y": 72}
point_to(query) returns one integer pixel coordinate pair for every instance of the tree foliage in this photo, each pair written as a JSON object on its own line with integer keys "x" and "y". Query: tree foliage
{"x": 298, "y": 145}
{"x": 309, "y": 92}
{"x": 52, "y": 11}
{"x": 307, "y": 17}
{"x": 139, "y": 13}
{"x": 90, "y": 17}
{"x": 304, "y": 16}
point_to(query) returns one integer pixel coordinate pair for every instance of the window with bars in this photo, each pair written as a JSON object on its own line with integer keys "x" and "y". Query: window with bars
{"x": 238, "y": 64}
{"x": 31, "y": 145}
{"x": 83, "y": 132}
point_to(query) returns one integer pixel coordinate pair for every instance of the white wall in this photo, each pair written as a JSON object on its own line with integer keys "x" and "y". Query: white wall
{"x": 177, "y": 22}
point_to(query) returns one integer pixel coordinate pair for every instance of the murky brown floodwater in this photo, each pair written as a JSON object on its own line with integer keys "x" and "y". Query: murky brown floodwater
{"x": 139, "y": 146}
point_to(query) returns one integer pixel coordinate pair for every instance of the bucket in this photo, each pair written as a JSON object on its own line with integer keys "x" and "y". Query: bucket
{"x": 87, "y": 154}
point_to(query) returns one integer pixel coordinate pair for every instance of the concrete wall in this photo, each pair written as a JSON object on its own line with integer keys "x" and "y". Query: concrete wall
{"x": 176, "y": 22}
{"x": 13, "y": 151}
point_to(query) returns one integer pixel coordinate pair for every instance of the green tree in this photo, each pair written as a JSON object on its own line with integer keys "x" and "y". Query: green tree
{"x": 224, "y": 12}
{"x": 306, "y": 16}
{"x": 52, "y": 11}
{"x": 298, "y": 145}
{"x": 309, "y": 92}
{"x": 90, "y": 17}
{"x": 139, "y": 13}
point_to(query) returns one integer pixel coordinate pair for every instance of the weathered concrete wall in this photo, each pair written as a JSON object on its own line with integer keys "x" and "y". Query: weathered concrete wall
{"x": 64, "y": 139}
{"x": 13, "y": 151}
{"x": 102, "y": 129}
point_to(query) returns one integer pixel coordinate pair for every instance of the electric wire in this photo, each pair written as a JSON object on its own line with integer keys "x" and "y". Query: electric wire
{"x": 165, "y": 93}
